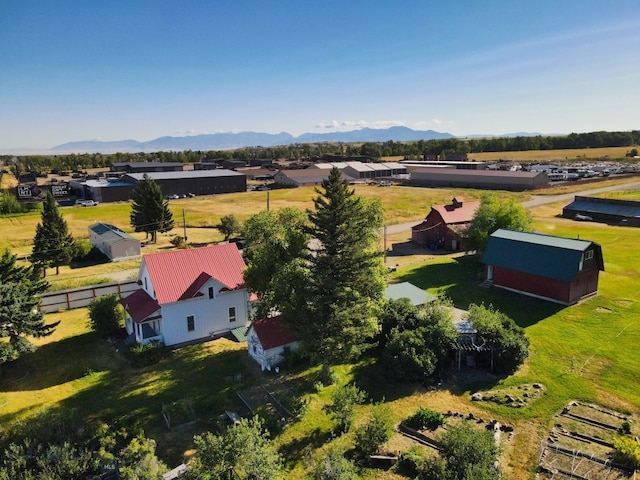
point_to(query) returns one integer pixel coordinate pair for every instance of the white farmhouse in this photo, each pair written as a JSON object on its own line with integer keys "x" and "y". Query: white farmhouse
{"x": 188, "y": 295}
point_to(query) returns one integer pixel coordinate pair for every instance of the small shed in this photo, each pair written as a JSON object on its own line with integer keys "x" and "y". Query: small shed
{"x": 113, "y": 242}
{"x": 268, "y": 340}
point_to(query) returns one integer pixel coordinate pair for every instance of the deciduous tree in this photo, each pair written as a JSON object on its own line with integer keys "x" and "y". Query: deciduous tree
{"x": 508, "y": 341}
{"x": 276, "y": 251}
{"x": 371, "y": 435}
{"x": 228, "y": 226}
{"x": 149, "y": 210}
{"x": 494, "y": 213}
{"x": 418, "y": 346}
{"x": 53, "y": 245}
{"x": 343, "y": 402}
{"x": 244, "y": 449}
{"x": 469, "y": 453}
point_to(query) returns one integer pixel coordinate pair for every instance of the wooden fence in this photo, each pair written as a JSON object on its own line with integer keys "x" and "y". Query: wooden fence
{"x": 82, "y": 296}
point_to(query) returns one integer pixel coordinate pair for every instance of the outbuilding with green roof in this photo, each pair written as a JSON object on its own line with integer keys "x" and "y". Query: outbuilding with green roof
{"x": 559, "y": 269}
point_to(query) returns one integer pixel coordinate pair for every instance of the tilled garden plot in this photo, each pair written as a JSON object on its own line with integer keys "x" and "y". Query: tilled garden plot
{"x": 580, "y": 444}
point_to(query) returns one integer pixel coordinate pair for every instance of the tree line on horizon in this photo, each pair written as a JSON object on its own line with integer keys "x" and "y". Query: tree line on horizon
{"x": 316, "y": 151}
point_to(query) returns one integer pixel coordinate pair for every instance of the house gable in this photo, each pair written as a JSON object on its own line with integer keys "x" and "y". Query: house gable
{"x": 183, "y": 272}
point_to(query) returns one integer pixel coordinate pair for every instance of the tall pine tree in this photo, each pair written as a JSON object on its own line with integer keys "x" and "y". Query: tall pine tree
{"x": 149, "y": 210}
{"x": 345, "y": 286}
{"x": 19, "y": 315}
{"x": 52, "y": 245}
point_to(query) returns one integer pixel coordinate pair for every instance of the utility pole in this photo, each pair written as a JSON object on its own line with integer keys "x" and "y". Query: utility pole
{"x": 184, "y": 225}
{"x": 268, "y": 200}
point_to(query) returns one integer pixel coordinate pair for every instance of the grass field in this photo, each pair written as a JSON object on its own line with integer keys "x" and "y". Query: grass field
{"x": 584, "y": 352}
{"x": 572, "y": 154}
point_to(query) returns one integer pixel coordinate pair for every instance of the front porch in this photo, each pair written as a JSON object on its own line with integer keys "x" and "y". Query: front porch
{"x": 146, "y": 331}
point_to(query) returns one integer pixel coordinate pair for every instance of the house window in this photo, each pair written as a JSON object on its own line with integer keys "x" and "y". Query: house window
{"x": 588, "y": 255}
{"x": 232, "y": 314}
{"x": 191, "y": 323}
{"x": 210, "y": 292}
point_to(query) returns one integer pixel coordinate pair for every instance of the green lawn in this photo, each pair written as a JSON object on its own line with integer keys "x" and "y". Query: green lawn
{"x": 585, "y": 352}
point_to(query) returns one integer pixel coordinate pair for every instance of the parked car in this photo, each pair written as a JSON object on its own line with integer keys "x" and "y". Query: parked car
{"x": 173, "y": 196}
{"x": 86, "y": 203}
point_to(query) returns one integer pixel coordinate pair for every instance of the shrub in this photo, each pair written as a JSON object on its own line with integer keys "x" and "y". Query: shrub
{"x": 106, "y": 315}
{"x": 342, "y": 404}
{"x": 375, "y": 433}
{"x": 627, "y": 451}
{"x": 411, "y": 462}
{"x": 178, "y": 241}
{"x": 626, "y": 427}
{"x": 86, "y": 254}
{"x": 334, "y": 466}
{"x": 142, "y": 355}
{"x": 425, "y": 418}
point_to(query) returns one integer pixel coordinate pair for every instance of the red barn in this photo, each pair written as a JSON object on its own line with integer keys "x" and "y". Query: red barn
{"x": 445, "y": 225}
{"x": 562, "y": 270}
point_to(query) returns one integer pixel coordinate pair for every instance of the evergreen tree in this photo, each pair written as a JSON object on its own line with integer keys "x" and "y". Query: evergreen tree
{"x": 53, "y": 245}
{"x": 149, "y": 210}
{"x": 346, "y": 285}
{"x": 19, "y": 315}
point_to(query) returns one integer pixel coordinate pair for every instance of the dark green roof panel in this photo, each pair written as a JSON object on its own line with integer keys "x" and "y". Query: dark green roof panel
{"x": 536, "y": 254}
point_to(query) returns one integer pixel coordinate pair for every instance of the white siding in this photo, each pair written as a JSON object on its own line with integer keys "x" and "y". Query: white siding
{"x": 211, "y": 315}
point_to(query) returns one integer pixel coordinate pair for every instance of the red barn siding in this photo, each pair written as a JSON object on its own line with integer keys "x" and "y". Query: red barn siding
{"x": 585, "y": 283}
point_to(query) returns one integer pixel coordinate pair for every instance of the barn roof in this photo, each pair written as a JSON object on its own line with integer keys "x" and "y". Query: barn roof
{"x": 272, "y": 333}
{"x": 537, "y": 254}
{"x": 175, "y": 274}
{"x": 457, "y": 213}
{"x": 607, "y": 206}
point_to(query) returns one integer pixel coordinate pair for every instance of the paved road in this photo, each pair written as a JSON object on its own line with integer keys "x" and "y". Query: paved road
{"x": 536, "y": 201}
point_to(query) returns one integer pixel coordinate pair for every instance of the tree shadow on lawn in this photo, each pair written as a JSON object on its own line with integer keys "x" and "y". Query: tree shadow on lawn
{"x": 58, "y": 362}
{"x": 460, "y": 281}
{"x": 205, "y": 379}
{"x": 371, "y": 378}
{"x": 298, "y": 449}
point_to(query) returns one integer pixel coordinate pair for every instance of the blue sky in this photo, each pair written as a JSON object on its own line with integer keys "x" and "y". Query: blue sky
{"x": 119, "y": 69}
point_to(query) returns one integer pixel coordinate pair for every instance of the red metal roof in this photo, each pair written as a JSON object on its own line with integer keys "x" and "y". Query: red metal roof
{"x": 272, "y": 333}
{"x": 140, "y": 305}
{"x": 457, "y": 214}
{"x": 173, "y": 273}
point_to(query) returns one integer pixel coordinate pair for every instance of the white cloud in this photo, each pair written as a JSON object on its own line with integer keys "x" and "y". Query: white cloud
{"x": 189, "y": 131}
{"x": 359, "y": 124}
{"x": 331, "y": 124}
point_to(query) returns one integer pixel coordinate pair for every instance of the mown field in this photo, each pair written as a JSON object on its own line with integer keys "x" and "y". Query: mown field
{"x": 584, "y": 352}
{"x": 571, "y": 154}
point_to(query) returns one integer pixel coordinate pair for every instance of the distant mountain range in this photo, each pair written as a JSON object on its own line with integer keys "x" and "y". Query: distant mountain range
{"x": 226, "y": 141}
